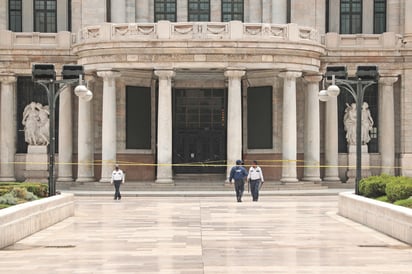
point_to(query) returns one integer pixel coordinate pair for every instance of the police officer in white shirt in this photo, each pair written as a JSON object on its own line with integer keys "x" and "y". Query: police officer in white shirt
{"x": 117, "y": 179}
{"x": 255, "y": 178}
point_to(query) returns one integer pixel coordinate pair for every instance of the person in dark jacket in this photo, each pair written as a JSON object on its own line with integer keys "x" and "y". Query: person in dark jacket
{"x": 238, "y": 174}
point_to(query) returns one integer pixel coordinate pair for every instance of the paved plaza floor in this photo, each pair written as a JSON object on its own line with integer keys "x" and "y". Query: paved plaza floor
{"x": 278, "y": 234}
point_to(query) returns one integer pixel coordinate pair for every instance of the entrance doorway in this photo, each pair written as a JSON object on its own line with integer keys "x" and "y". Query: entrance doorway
{"x": 199, "y": 131}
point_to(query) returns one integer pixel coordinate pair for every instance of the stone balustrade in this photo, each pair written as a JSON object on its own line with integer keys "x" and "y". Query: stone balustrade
{"x": 387, "y": 40}
{"x": 234, "y": 30}
{"x": 35, "y": 40}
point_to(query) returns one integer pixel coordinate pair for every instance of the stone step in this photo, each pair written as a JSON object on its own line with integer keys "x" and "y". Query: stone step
{"x": 184, "y": 185}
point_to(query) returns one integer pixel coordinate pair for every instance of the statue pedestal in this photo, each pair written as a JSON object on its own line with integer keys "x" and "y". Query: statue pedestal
{"x": 36, "y": 164}
{"x": 351, "y": 172}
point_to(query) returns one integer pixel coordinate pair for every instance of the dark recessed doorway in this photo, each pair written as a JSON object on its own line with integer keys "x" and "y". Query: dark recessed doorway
{"x": 199, "y": 130}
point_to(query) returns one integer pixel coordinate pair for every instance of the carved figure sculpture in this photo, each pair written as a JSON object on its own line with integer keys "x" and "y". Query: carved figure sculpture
{"x": 36, "y": 124}
{"x": 367, "y": 123}
{"x": 349, "y": 121}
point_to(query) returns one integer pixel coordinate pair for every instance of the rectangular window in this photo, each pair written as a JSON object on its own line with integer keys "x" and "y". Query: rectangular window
{"x": 350, "y": 16}
{"x": 379, "y": 16}
{"x": 138, "y": 118}
{"x": 259, "y": 118}
{"x": 165, "y": 10}
{"x": 232, "y": 10}
{"x": 199, "y": 10}
{"x": 45, "y": 15}
{"x": 15, "y": 15}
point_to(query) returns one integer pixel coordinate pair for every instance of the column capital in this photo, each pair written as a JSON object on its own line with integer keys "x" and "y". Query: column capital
{"x": 165, "y": 74}
{"x": 313, "y": 78}
{"x": 388, "y": 80}
{"x": 108, "y": 74}
{"x": 290, "y": 74}
{"x": 8, "y": 78}
{"x": 235, "y": 73}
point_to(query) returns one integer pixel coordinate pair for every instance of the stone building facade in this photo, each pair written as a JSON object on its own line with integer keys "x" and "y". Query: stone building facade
{"x": 190, "y": 86}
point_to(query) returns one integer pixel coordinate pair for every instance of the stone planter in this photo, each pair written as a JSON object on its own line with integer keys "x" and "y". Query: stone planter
{"x": 395, "y": 221}
{"x": 20, "y": 221}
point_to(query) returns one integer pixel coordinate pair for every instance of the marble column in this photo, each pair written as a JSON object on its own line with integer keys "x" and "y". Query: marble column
{"x": 234, "y": 117}
{"x": 85, "y": 143}
{"x": 407, "y": 37}
{"x": 8, "y": 128}
{"x": 130, "y": 11}
{"x": 108, "y": 123}
{"x": 289, "y": 134}
{"x": 142, "y": 11}
{"x": 255, "y": 11}
{"x": 279, "y": 11}
{"x": 164, "y": 127}
{"x": 331, "y": 141}
{"x": 311, "y": 170}
{"x": 65, "y": 169}
{"x": 387, "y": 124}
{"x": 118, "y": 11}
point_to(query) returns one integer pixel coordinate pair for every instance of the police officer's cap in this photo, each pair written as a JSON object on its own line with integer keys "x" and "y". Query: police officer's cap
{"x": 238, "y": 162}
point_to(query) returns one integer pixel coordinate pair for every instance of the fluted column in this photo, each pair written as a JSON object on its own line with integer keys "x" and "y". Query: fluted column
{"x": 311, "y": 170}
{"x": 289, "y": 135}
{"x": 331, "y": 141}
{"x": 109, "y": 127}
{"x": 8, "y": 128}
{"x": 65, "y": 169}
{"x": 118, "y": 11}
{"x": 387, "y": 125}
{"x": 85, "y": 143}
{"x": 234, "y": 117}
{"x": 164, "y": 127}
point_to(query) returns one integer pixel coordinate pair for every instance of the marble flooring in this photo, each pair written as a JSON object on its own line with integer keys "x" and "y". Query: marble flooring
{"x": 278, "y": 234}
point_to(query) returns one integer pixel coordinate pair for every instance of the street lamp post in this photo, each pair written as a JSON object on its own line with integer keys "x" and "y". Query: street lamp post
{"x": 365, "y": 77}
{"x": 45, "y": 75}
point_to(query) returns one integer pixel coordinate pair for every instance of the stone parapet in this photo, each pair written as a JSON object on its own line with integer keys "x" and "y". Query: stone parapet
{"x": 199, "y": 45}
{"x": 20, "y": 221}
{"x": 234, "y": 30}
{"x": 392, "y": 220}
{"x": 35, "y": 40}
{"x": 387, "y": 40}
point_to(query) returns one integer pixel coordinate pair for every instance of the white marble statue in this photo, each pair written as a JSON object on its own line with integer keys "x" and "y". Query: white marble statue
{"x": 349, "y": 121}
{"x": 36, "y": 124}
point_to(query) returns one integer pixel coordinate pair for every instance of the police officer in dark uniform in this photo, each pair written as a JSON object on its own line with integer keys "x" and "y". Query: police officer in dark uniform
{"x": 238, "y": 173}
